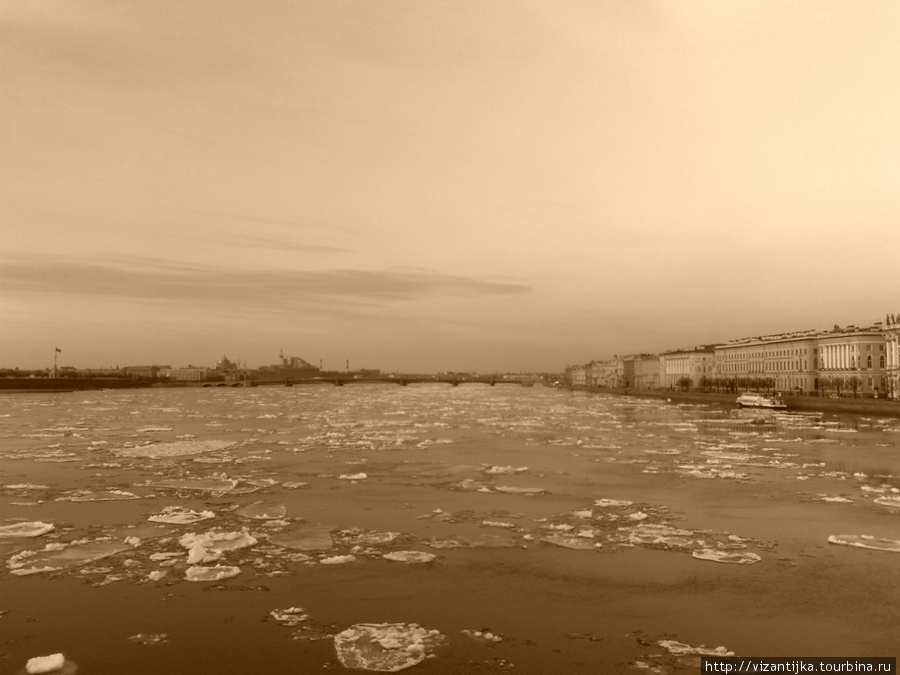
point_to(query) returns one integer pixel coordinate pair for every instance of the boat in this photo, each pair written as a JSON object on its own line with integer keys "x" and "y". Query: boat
{"x": 751, "y": 400}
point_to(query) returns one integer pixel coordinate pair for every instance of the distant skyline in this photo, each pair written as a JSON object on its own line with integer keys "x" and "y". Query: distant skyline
{"x": 426, "y": 186}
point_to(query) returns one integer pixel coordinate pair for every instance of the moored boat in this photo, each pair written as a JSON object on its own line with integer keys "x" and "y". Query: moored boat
{"x": 752, "y": 400}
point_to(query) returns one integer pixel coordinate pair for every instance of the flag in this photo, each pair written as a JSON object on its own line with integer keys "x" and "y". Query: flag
{"x": 58, "y": 350}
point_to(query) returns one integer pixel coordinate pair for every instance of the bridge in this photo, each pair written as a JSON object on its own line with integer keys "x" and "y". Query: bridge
{"x": 400, "y": 380}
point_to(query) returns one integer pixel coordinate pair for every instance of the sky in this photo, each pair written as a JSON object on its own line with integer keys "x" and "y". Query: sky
{"x": 426, "y": 185}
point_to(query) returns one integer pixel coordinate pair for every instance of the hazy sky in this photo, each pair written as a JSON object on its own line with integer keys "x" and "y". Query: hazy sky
{"x": 432, "y": 185}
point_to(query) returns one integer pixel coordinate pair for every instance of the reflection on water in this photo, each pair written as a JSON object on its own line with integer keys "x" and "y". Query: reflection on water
{"x": 529, "y": 529}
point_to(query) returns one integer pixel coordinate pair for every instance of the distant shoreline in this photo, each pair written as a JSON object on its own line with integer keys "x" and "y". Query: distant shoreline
{"x": 855, "y": 406}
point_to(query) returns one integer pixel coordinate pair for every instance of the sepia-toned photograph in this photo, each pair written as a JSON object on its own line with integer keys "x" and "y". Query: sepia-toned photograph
{"x": 527, "y": 337}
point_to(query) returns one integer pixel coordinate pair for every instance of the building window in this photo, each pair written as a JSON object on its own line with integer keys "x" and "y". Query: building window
{"x": 881, "y": 362}
{"x": 869, "y": 362}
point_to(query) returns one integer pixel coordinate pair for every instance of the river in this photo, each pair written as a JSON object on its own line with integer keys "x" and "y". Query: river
{"x": 527, "y": 529}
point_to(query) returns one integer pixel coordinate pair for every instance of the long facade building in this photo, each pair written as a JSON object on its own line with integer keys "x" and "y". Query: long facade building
{"x": 849, "y": 361}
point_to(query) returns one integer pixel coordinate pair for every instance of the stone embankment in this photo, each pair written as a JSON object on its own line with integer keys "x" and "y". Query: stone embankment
{"x": 49, "y": 384}
{"x": 855, "y": 406}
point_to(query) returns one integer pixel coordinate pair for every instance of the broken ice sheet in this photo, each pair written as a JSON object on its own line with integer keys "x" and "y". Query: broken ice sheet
{"x": 178, "y": 515}
{"x": 33, "y": 528}
{"x": 385, "y": 647}
{"x": 865, "y": 541}
{"x": 263, "y": 510}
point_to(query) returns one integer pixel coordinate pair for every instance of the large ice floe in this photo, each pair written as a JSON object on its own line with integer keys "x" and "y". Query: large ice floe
{"x": 53, "y": 663}
{"x": 34, "y": 528}
{"x": 212, "y": 484}
{"x": 178, "y": 515}
{"x": 184, "y": 448}
{"x": 263, "y": 510}
{"x": 304, "y": 538}
{"x": 385, "y": 647}
{"x": 865, "y": 541}
{"x": 720, "y": 556}
{"x": 410, "y": 556}
{"x": 209, "y": 546}
{"x": 58, "y": 556}
{"x": 97, "y": 496}
{"x": 214, "y": 573}
{"x": 682, "y": 649}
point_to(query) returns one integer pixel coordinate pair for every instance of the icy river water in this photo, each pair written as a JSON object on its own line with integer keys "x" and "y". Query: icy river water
{"x": 450, "y": 530}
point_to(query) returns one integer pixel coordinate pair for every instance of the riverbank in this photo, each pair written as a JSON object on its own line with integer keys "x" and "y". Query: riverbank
{"x": 856, "y": 406}
{"x": 64, "y": 384}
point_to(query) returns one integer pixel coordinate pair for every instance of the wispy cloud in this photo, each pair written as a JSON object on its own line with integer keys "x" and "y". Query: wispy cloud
{"x": 138, "y": 278}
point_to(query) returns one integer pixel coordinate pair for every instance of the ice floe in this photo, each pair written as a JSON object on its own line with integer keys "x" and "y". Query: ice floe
{"x": 304, "y": 538}
{"x": 513, "y": 490}
{"x": 720, "y": 556}
{"x": 889, "y": 501}
{"x": 53, "y": 663}
{"x": 576, "y": 542}
{"x": 353, "y": 476}
{"x": 410, "y": 556}
{"x": 605, "y": 503}
{"x": 682, "y": 649}
{"x": 263, "y": 510}
{"x": 865, "y": 541}
{"x": 182, "y": 448}
{"x": 214, "y": 573}
{"x": 34, "y": 528}
{"x": 290, "y": 617}
{"x": 57, "y": 556}
{"x": 337, "y": 560}
{"x": 178, "y": 515}
{"x": 209, "y": 546}
{"x": 385, "y": 647}
{"x": 214, "y": 484}
{"x": 98, "y": 496}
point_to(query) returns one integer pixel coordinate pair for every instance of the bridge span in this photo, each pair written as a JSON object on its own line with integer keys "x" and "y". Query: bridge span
{"x": 400, "y": 380}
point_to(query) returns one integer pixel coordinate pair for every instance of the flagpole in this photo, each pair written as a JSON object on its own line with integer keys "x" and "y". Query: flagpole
{"x": 55, "y": 371}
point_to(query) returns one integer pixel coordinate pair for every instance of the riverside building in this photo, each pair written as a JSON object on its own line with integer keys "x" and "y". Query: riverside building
{"x": 853, "y": 361}
{"x": 891, "y": 331}
{"x": 695, "y": 364}
{"x": 789, "y": 360}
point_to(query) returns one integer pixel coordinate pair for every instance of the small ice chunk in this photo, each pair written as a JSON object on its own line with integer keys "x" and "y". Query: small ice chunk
{"x": 410, "y": 556}
{"x": 45, "y": 664}
{"x": 717, "y": 555}
{"x": 337, "y": 560}
{"x": 214, "y": 573}
{"x": 156, "y": 575}
{"x": 33, "y": 528}
{"x": 353, "y": 476}
{"x": 865, "y": 541}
